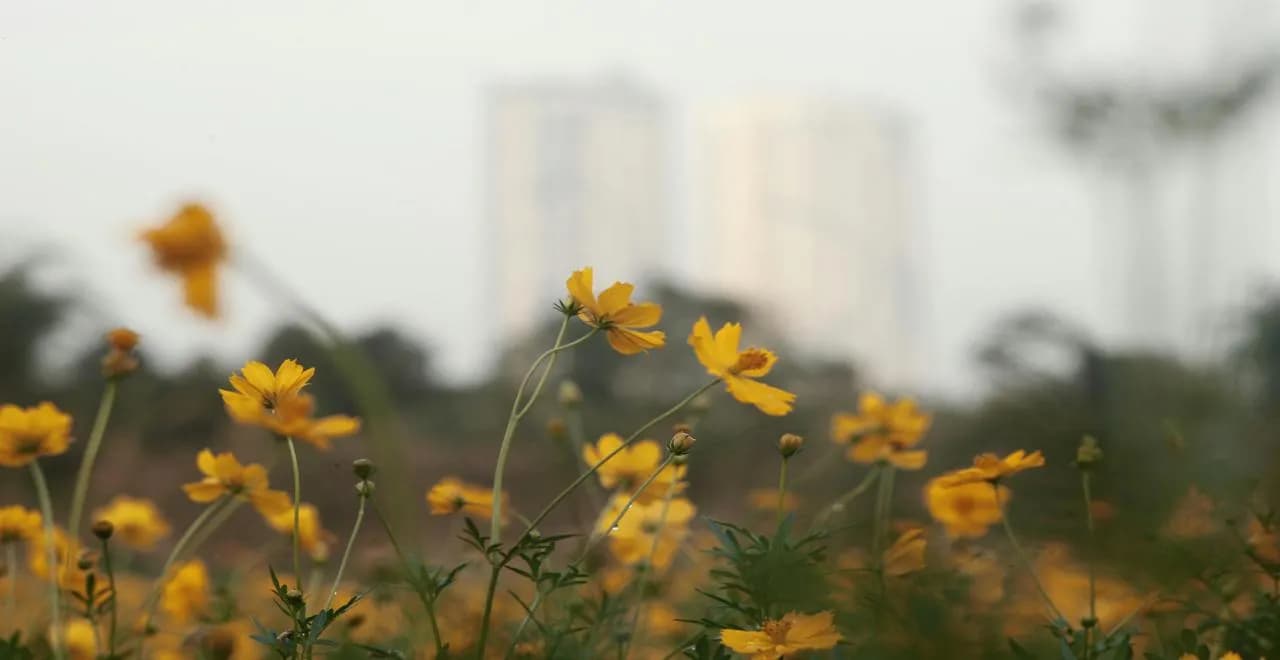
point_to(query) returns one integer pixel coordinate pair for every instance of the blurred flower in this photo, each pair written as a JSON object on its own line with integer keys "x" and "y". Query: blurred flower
{"x": 766, "y": 499}
{"x": 793, "y": 633}
{"x": 1230, "y": 655}
{"x": 451, "y": 495}
{"x": 738, "y": 369}
{"x": 224, "y": 475}
{"x": 80, "y": 640}
{"x": 30, "y": 433}
{"x": 135, "y": 521}
{"x": 906, "y": 555}
{"x": 1193, "y": 516}
{"x": 19, "y": 524}
{"x": 631, "y": 466}
{"x": 881, "y": 431}
{"x": 966, "y": 510}
{"x": 119, "y": 360}
{"x": 186, "y": 594}
{"x": 373, "y": 620}
{"x": 644, "y": 532}
{"x": 985, "y": 573}
{"x": 621, "y": 319}
{"x": 314, "y": 539}
{"x": 190, "y": 245}
{"x": 991, "y": 468}
{"x": 66, "y": 551}
{"x": 275, "y": 402}
{"x": 1263, "y": 542}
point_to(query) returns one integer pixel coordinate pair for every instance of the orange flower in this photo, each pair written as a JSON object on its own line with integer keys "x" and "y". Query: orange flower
{"x": 739, "y": 369}
{"x": 966, "y": 510}
{"x": 613, "y": 312}
{"x": 225, "y": 476}
{"x": 122, "y": 339}
{"x": 992, "y": 468}
{"x": 881, "y": 431}
{"x": 451, "y": 495}
{"x": 631, "y": 466}
{"x": 906, "y": 555}
{"x": 30, "y": 433}
{"x": 275, "y": 402}
{"x": 656, "y": 530}
{"x": 793, "y": 633}
{"x": 190, "y": 245}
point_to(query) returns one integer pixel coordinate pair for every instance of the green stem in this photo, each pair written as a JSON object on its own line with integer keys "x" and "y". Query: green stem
{"x": 90, "y": 456}
{"x": 51, "y": 557}
{"x": 641, "y": 574}
{"x": 346, "y": 554}
{"x": 214, "y": 524}
{"x": 115, "y": 598}
{"x": 782, "y": 492}
{"x": 524, "y": 623}
{"x": 1026, "y": 561}
{"x": 884, "y": 506}
{"x": 427, "y": 602}
{"x": 1090, "y": 558}
{"x": 844, "y": 500}
{"x": 560, "y": 497}
{"x": 297, "y": 515}
{"x": 596, "y": 535}
{"x": 178, "y": 548}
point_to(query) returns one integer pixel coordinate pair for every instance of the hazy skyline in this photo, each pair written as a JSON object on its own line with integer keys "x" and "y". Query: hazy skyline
{"x": 343, "y": 143}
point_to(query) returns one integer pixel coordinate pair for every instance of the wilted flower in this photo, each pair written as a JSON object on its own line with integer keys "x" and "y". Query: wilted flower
{"x": 224, "y": 475}
{"x": 135, "y": 521}
{"x": 631, "y": 466}
{"x": 18, "y": 524}
{"x": 30, "y": 433}
{"x": 906, "y": 555}
{"x": 190, "y": 245}
{"x": 186, "y": 594}
{"x": 966, "y": 510}
{"x": 451, "y": 495}
{"x": 793, "y": 633}
{"x": 738, "y": 369}
{"x": 991, "y": 468}
{"x": 882, "y": 431}
{"x": 613, "y": 312}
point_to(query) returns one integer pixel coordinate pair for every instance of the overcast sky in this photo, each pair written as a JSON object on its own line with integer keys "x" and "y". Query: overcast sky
{"x": 341, "y": 142}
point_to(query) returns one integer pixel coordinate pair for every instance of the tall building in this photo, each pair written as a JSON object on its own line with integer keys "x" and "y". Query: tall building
{"x": 577, "y": 175}
{"x": 806, "y": 217}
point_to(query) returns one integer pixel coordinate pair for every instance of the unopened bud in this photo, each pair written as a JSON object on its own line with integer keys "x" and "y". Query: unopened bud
{"x": 789, "y": 444}
{"x": 85, "y": 561}
{"x": 363, "y": 468}
{"x": 364, "y": 488}
{"x": 680, "y": 443}
{"x": 103, "y": 529}
{"x": 556, "y": 428}
{"x": 1088, "y": 454}
{"x": 570, "y": 394}
{"x": 293, "y": 595}
{"x": 122, "y": 339}
{"x": 118, "y": 364}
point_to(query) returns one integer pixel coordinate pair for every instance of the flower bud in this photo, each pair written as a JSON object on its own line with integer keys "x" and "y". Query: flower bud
{"x": 85, "y": 561}
{"x": 570, "y": 395}
{"x": 293, "y": 595}
{"x": 680, "y": 443}
{"x": 363, "y": 468}
{"x": 117, "y": 364}
{"x": 556, "y": 428}
{"x": 789, "y": 444}
{"x": 122, "y": 339}
{"x": 364, "y": 488}
{"x": 103, "y": 529}
{"x": 1088, "y": 454}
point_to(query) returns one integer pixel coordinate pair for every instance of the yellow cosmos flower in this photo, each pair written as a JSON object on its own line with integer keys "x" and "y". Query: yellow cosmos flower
{"x": 613, "y": 312}
{"x": 137, "y": 522}
{"x": 645, "y": 532}
{"x": 66, "y": 551}
{"x": 882, "y": 431}
{"x": 30, "y": 433}
{"x": 314, "y": 539}
{"x": 739, "y": 369}
{"x": 186, "y": 595}
{"x": 224, "y": 475}
{"x": 793, "y": 633}
{"x": 966, "y": 510}
{"x": 991, "y": 468}
{"x": 451, "y": 495}
{"x": 274, "y": 401}
{"x": 906, "y": 555}
{"x": 79, "y": 639}
{"x": 631, "y": 466}
{"x": 19, "y": 524}
{"x": 190, "y": 245}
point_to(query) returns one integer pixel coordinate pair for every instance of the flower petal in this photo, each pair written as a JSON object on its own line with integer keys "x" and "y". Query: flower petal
{"x": 770, "y": 400}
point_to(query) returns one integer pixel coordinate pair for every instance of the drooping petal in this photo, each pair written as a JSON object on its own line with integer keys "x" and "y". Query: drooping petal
{"x": 335, "y": 426}
{"x": 579, "y": 285}
{"x": 909, "y": 460}
{"x": 200, "y": 288}
{"x": 868, "y": 450}
{"x": 204, "y": 491}
{"x": 271, "y": 502}
{"x": 630, "y": 342}
{"x": 770, "y": 400}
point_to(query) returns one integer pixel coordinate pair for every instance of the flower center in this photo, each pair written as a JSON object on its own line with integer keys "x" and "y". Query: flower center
{"x": 750, "y": 359}
{"x": 777, "y": 631}
{"x": 964, "y": 505}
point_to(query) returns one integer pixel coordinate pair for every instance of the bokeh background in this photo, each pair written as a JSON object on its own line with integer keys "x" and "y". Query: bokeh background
{"x": 1043, "y": 219}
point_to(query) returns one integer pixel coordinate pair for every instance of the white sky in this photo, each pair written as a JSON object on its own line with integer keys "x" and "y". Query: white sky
{"x": 341, "y": 141}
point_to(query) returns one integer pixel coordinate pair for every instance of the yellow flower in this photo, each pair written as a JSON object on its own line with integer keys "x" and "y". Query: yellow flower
{"x": 906, "y": 555}
{"x": 966, "y": 510}
{"x": 314, "y": 539}
{"x": 793, "y": 633}
{"x": 992, "y": 468}
{"x": 986, "y": 576}
{"x": 190, "y": 245}
{"x": 739, "y": 369}
{"x": 29, "y": 433}
{"x": 881, "y": 431}
{"x": 645, "y": 532}
{"x": 80, "y": 640}
{"x": 138, "y": 522}
{"x": 19, "y": 524}
{"x": 274, "y": 401}
{"x": 66, "y": 552}
{"x": 613, "y": 312}
{"x": 1230, "y": 655}
{"x": 224, "y": 475}
{"x": 451, "y": 495}
{"x": 186, "y": 594}
{"x": 631, "y": 466}
{"x": 766, "y": 499}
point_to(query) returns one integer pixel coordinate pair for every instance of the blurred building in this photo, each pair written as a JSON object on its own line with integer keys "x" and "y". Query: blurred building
{"x": 577, "y": 174}
{"x": 807, "y": 217}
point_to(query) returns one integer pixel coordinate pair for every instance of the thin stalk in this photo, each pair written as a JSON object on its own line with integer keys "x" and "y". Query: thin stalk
{"x": 782, "y": 492}
{"x": 178, "y": 548}
{"x": 346, "y": 554}
{"x": 11, "y": 571}
{"x": 90, "y": 456}
{"x": 214, "y": 524}
{"x": 641, "y": 574}
{"x": 844, "y": 500}
{"x": 427, "y": 602}
{"x": 1026, "y": 561}
{"x": 518, "y": 412}
{"x": 559, "y": 498}
{"x": 883, "y": 507}
{"x": 524, "y": 623}
{"x": 111, "y": 584}
{"x": 1091, "y": 630}
{"x": 297, "y": 514}
{"x": 596, "y": 536}
{"x": 51, "y": 557}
